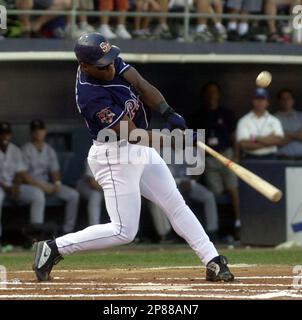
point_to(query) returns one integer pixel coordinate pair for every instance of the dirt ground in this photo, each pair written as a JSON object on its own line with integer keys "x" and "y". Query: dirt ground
{"x": 252, "y": 282}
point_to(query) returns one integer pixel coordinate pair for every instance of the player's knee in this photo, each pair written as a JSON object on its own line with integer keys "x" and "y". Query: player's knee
{"x": 209, "y": 196}
{"x": 127, "y": 238}
{"x": 38, "y": 196}
{"x": 74, "y": 196}
{"x": 128, "y": 235}
{"x": 95, "y": 196}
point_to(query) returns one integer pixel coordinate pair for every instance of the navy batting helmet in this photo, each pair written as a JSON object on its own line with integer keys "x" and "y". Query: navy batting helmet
{"x": 93, "y": 48}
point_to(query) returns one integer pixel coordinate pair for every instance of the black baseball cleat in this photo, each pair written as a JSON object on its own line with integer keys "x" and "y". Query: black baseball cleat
{"x": 217, "y": 270}
{"x": 46, "y": 256}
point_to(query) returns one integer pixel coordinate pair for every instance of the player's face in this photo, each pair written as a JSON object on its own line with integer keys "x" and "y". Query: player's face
{"x": 39, "y": 135}
{"x": 101, "y": 73}
{"x": 5, "y": 138}
{"x": 260, "y": 104}
{"x": 286, "y": 101}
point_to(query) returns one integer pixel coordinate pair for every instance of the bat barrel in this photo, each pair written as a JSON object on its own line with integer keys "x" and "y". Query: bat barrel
{"x": 277, "y": 196}
{"x": 259, "y": 184}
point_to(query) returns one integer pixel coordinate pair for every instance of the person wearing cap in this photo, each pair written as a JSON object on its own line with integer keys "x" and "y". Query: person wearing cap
{"x": 13, "y": 178}
{"x": 259, "y": 133}
{"x": 114, "y": 100}
{"x": 44, "y": 172}
{"x": 104, "y": 28}
{"x": 92, "y": 192}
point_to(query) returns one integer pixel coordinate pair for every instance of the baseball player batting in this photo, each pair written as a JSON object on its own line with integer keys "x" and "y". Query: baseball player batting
{"x": 109, "y": 91}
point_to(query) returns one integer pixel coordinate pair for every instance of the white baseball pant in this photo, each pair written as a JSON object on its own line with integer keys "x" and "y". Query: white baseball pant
{"x": 146, "y": 174}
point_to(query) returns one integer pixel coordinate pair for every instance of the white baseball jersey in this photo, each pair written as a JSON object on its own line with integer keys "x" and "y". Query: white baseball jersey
{"x": 40, "y": 163}
{"x": 11, "y": 162}
{"x": 251, "y": 126}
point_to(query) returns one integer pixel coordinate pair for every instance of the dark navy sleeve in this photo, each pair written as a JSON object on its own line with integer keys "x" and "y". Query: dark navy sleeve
{"x": 121, "y": 66}
{"x": 103, "y": 112}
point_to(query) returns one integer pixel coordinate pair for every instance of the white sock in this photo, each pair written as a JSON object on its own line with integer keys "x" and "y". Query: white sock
{"x": 201, "y": 28}
{"x": 243, "y": 28}
{"x": 232, "y": 25}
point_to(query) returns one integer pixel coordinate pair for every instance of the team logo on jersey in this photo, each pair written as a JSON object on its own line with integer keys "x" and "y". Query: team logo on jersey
{"x": 105, "y": 46}
{"x": 132, "y": 106}
{"x": 105, "y": 116}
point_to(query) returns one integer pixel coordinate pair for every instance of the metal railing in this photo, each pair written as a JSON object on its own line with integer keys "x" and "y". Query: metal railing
{"x": 187, "y": 15}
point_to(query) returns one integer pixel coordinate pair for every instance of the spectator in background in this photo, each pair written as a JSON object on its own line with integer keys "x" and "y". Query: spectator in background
{"x": 259, "y": 133}
{"x": 120, "y": 31}
{"x": 219, "y": 124}
{"x": 44, "y": 172}
{"x": 91, "y": 191}
{"x": 202, "y": 31}
{"x": 270, "y": 9}
{"x": 291, "y": 120}
{"x": 13, "y": 177}
{"x": 83, "y": 20}
{"x": 163, "y": 30}
{"x": 33, "y": 27}
{"x": 141, "y": 24}
{"x": 84, "y": 26}
{"x": 240, "y": 31}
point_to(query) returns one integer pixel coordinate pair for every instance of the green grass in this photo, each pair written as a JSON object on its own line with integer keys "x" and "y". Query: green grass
{"x": 154, "y": 256}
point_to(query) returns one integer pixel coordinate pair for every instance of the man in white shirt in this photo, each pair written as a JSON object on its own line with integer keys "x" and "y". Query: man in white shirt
{"x": 12, "y": 178}
{"x": 259, "y": 133}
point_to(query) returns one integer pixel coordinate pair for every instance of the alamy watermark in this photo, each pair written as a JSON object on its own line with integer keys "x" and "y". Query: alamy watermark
{"x": 176, "y": 147}
{"x": 297, "y": 21}
{"x": 3, "y": 277}
{"x": 3, "y": 18}
{"x": 297, "y": 279}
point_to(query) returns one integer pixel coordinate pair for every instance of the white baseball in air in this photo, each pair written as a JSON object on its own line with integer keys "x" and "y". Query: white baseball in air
{"x": 264, "y": 79}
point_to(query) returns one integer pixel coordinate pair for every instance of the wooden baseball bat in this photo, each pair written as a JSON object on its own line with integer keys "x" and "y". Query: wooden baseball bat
{"x": 262, "y": 186}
